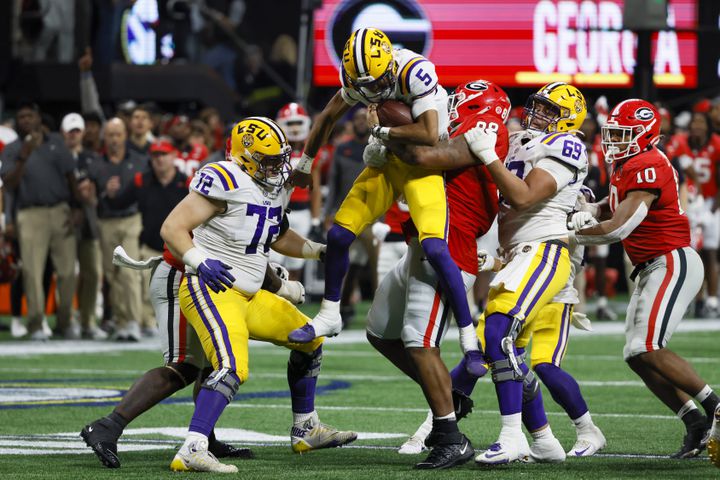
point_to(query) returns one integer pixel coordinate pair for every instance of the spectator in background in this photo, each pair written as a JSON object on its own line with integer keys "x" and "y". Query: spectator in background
{"x": 92, "y": 136}
{"x": 715, "y": 115}
{"x": 86, "y": 228}
{"x": 140, "y": 130}
{"x": 38, "y": 171}
{"x": 346, "y": 166}
{"x": 189, "y": 155}
{"x": 156, "y": 192}
{"x": 200, "y": 134}
{"x": 217, "y": 21}
{"x": 125, "y": 110}
{"x": 58, "y": 29}
{"x": 211, "y": 118}
{"x": 119, "y": 226}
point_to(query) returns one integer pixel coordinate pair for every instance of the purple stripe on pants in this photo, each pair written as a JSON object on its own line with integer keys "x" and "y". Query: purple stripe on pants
{"x": 557, "y": 355}
{"x": 547, "y": 281}
{"x": 530, "y": 282}
{"x": 221, "y": 324}
{"x": 194, "y": 297}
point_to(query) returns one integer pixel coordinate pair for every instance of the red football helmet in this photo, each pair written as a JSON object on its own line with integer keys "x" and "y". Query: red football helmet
{"x": 478, "y": 96}
{"x": 294, "y": 121}
{"x": 632, "y": 127}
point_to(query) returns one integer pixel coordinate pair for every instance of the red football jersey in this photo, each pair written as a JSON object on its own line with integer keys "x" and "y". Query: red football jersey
{"x": 396, "y": 217}
{"x": 705, "y": 160}
{"x": 188, "y": 162}
{"x": 300, "y": 195}
{"x": 666, "y": 227}
{"x": 170, "y": 258}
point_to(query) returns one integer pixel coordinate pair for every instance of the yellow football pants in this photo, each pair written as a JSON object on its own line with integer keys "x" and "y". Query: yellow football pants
{"x": 375, "y": 190}
{"x": 225, "y": 321}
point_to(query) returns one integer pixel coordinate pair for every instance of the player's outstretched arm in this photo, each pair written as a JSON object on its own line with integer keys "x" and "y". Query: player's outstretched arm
{"x": 444, "y": 156}
{"x": 292, "y": 244}
{"x": 628, "y": 215}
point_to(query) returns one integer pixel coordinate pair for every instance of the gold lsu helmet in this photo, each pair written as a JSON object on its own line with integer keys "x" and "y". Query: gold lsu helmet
{"x": 368, "y": 64}
{"x": 259, "y": 145}
{"x": 556, "y": 107}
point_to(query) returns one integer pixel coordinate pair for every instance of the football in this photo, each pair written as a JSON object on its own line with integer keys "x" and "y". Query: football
{"x": 393, "y": 113}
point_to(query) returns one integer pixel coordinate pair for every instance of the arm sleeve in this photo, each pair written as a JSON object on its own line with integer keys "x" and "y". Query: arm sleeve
{"x": 619, "y": 233}
{"x": 89, "y": 97}
{"x": 563, "y": 174}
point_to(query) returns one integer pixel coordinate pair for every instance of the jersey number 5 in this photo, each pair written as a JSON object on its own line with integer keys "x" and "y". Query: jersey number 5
{"x": 263, "y": 212}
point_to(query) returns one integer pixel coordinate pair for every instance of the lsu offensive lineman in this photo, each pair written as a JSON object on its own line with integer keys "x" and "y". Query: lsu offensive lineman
{"x": 372, "y": 71}
{"x": 228, "y": 221}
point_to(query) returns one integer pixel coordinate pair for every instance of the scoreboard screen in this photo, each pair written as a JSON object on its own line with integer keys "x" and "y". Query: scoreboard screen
{"x": 515, "y": 43}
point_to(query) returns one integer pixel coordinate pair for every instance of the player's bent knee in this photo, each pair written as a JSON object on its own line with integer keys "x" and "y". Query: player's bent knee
{"x": 305, "y": 364}
{"x": 531, "y": 387}
{"x": 187, "y": 372}
{"x": 225, "y": 381}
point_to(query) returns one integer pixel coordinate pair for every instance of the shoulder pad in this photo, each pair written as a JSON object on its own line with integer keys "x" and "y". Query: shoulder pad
{"x": 216, "y": 180}
{"x": 565, "y": 148}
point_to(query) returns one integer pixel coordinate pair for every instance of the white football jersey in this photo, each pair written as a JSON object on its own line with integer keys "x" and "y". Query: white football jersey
{"x": 241, "y": 236}
{"x": 548, "y": 219}
{"x": 416, "y": 84}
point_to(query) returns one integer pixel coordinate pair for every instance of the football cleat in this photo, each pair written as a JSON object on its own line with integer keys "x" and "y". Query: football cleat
{"x": 225, "y": 450}
{"x": 327, "y": 323}
{"x": 545, "y": 451}
{"x": 713, "y": 445}
{"x": 692, "y": 442}
{"x": 588, "y": 443}
{"x": 313, "y": 435}
{"x": 508, "y": 448}
{"x": 451, "y": 450}
{"x": 103, "y": 442}
{"x": 196, "y": 457}
{"x": 412, "y": 446}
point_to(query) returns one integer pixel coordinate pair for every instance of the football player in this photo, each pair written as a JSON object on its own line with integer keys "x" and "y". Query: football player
{"x": 372, "y": 72}
{"x": 643, "y": 211}
{"x": 304, "y": 207}
{"x": 223, "y": 231}
{"x": 409, "y": 332}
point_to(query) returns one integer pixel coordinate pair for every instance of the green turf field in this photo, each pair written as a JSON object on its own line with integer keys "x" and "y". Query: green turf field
{"x": 47, "y": 398}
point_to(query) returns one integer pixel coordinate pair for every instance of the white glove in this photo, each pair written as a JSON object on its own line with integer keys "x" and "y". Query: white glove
{"x": 380, "y": 230}
{"x": 581, "y": 321}
{"x": 374, "y": 154}
{"x": 580, "y": 220}
{"x": 486, "y": 262}
{"x": 280, "y": 271}
{"x": 292, "y": 291}
{"x": 481, "y": 142}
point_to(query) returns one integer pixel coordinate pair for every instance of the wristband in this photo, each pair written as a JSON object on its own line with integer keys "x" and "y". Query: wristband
{"x": 305, "y": 163}
{"x": 193, "y": 258}
{"x": 315, "y": 222}
{"x": 312, "y": 250}
{"x": 383, "y": 133}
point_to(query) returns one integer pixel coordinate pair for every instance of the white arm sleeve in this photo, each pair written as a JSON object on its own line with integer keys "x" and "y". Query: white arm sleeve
{"x": 619, "y": 233}
{"x": 562, "y": 174}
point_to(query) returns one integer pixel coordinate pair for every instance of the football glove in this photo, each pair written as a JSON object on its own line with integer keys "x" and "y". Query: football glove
{"x": 374, "y": 154}
{"x": 292, "y": 291}
{"x": 580, "y": 220}
{"x": 481, "y": 142}
{"x": 486, "y": 262}
{"x": 215, "y": 274}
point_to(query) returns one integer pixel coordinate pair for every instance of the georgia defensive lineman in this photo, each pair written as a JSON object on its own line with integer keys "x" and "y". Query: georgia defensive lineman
{"x": 646, "y": 216}
{"x": 409, "y": 333}
{"x": 304, "y": 206}
{"x": 372, "y": 71}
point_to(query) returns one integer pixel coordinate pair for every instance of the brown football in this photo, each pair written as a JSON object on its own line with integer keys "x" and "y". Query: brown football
{"x": 393, "y": 113}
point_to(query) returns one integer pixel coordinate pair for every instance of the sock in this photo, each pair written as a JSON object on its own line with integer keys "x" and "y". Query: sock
{"x": 337, "y": 260}
{"x": 690, "y": 415}
{"x": 533, "y": 414}
{"x": 208, "y": 408}
{"x": 563, "y": 388}
{"x": 583, "y": 422}
{"x": 542, "y": 434}
{"x": 446, "y": 424}
{"x": 300, "y": 418}
{"x": 461, "y": 379}
{"x": 509, "y": 392}
{"x": 302, "y": 383}
{"x": 119, "y": 419}
{"x": 708, "y": 399}
{"x": 193, "y": 437}
{"x": 451, "y": 281}
{"x": 511, "y": 422}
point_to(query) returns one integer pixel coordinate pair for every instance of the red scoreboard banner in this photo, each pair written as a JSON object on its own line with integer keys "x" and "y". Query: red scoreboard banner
{"x": 513, "y": 42}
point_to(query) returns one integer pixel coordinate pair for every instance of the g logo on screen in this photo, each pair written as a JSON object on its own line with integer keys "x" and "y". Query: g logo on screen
{"x": 403, "y": 21}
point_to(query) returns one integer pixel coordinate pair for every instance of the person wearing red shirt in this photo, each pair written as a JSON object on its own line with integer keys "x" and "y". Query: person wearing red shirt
{"x": 698, "y": 152}
{"x": 409, "y": 332}
{"x": 645, "y": 214}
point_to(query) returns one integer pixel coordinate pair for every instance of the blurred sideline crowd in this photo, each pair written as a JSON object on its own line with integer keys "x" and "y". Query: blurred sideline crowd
{"x": 76, "y": 186}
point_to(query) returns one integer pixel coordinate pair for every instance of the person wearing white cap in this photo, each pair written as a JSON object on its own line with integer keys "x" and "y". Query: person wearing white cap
{"x": 88, "y": 245}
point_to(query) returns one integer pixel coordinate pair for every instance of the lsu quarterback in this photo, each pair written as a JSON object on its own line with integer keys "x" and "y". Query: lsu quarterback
{"x": 223, "y": 231}
{"x": 372, "y": 71}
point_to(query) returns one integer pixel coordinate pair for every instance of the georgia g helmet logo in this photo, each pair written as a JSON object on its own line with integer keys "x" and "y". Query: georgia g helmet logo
{"x": 477, "y": 86}
{"x": 644, "y": 114}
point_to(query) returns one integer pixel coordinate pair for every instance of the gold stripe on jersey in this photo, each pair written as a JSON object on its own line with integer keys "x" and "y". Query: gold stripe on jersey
{"x": 229, "y": 183}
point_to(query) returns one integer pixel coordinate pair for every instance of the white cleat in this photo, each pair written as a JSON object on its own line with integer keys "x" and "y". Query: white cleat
{"x": 588, "y": 443}
{"x": 412, "y": 446}
{"x": 195, "y": 457}
{"x": 327, "y": 323}
{"x": 313, "y": 435}
{"x": 17, "y": 328}
{"x": 546, "y": 451}
{"x": 506, "y": 450}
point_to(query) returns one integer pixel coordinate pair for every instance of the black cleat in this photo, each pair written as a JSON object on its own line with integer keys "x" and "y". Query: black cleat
{"x": 225, "y": 450}
{"x": 450, "y": 450}
{"x": 462, "y": 403}
{"x": 98, "y": 437}
{"x": 692, "y": 442}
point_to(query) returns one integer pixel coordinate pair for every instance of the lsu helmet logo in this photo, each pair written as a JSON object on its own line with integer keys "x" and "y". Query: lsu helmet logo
{"x": 403, "y": 21}
{"x": 644, "y": 114}
{"x": 247, "y": 140}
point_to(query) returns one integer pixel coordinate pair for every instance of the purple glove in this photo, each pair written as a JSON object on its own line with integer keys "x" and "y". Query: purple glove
{"x": 216, "y": 275}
